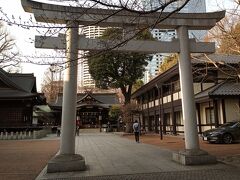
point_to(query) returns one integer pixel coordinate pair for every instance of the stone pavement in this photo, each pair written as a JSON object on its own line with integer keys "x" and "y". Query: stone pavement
{"x": 109, "y": 156}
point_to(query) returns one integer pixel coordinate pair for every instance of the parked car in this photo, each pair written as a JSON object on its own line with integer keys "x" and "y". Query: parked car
{"x": 227, "y": 133}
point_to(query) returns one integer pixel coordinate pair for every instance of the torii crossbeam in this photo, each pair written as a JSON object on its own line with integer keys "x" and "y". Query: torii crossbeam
{"x": 87, "y": 44}
{"x": 67, "y": 160}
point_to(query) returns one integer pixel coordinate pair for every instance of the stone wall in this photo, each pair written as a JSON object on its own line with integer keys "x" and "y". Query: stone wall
{"x": 24, "y": 134}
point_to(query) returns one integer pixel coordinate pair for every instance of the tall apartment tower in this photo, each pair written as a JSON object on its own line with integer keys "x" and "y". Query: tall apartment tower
{"x": 85, "y": 79}
{"x": 193, "y": 6}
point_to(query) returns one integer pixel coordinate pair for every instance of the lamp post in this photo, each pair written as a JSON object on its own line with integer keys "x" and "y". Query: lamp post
{"x": 52, "y": 70}
{"x": 118, "y": 123}
{"x": 100, "y": 122}
{"x": 160, "y": 121}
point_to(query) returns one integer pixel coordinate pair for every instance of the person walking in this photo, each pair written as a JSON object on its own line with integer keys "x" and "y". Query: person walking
{"x": 136, "y": 130}
{"x": 77, "y": 130}
{"x": 58, "y": 131}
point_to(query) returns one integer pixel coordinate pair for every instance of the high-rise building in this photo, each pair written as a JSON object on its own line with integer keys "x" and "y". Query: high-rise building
{"x": 193, "y": 6}
{"x": 85, "y": 79}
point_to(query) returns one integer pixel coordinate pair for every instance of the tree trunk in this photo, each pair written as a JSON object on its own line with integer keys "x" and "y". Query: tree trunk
{"x": 129, "y": 127}
{"x": 127, "y": 98}
{"x": 126, "y": 93}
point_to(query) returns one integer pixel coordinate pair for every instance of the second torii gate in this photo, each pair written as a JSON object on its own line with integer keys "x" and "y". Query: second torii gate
{"x": 67, "y": 160}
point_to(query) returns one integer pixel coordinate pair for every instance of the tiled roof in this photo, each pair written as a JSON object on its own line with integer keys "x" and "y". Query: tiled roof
{"x": 104, "y": 98}
{"x": 220, "y": 58}
{"x": 223, "y": 89}
{"x": 107, "y": 98}
{"x": 16, "y": 85}
{"x": 7, "y": 81}
{"x": 226, "y": 89}
{"x": 98, "y": 105}
{"x": 25, "y": 82}
{"x": 204, "y": 93}
{"x": 14, "y": 94}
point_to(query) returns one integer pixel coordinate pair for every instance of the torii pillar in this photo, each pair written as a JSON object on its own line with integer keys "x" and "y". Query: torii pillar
{"x": 67, "y": 160}
{"x": 192, "y": 153}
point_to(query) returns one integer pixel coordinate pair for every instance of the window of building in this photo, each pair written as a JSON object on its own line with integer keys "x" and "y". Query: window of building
{"x": 167, "y": 119}
{"x": 176, "y": 86}
{"x": 166, "y": 90}
{"x": 209, "y": 115}
{"x": 178, "y": 116}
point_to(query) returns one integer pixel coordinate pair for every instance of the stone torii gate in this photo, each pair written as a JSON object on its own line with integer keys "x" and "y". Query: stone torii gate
{"x": 67, "y": 160}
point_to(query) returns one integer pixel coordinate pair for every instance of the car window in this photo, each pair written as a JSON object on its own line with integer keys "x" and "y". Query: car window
{"x": 228, "y": 124}
{"x": 236, "y": 125}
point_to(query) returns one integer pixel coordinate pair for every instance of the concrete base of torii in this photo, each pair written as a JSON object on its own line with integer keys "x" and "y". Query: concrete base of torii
{"x": 66, "y": 163}
{"x": 193, "y": 157}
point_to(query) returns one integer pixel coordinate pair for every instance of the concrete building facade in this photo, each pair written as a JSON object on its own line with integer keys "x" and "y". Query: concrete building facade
{"x": 84, "y": 77}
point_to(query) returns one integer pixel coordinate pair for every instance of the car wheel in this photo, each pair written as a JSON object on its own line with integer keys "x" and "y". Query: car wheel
{"x": 227, "y": 138}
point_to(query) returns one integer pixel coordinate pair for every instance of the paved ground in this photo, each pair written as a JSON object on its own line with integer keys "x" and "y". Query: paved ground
{"x": 113, "y": 157}
{"x": 110, "y": 156}
{"x": 215, "y": 174}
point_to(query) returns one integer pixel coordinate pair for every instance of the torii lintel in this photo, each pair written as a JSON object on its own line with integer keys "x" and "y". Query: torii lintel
{"x": 50, "y": 13}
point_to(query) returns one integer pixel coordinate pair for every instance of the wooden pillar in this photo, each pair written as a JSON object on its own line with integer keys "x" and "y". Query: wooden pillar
{"x": 160, "y": 108}
{"x": 215, "y": 108}
{"x": 143, "y": 113}
{"x": 148, "y": 114}
{"x": 199, "y": 118}
{"x": 172, "y": 112}
{"x": 224, "y": 111}
{"x": 155, "y": 114}
{"x": 162, "y": 113}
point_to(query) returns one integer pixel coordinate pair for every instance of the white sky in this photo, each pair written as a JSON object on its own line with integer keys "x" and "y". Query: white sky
{"x": 23, "y": 36}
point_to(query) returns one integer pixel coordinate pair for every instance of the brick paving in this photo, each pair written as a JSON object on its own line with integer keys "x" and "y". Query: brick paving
{"x": 24, "y": 159}
{"x": 227, "y": 153}
{"x": 177, "y": 143}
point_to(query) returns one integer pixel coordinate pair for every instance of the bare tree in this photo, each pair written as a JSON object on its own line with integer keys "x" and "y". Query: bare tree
{"x": 52, "y": 83}
{"x": 227, "y": 35}
{"x": 8, "y": 54}
{"x": 227, "y": 32}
